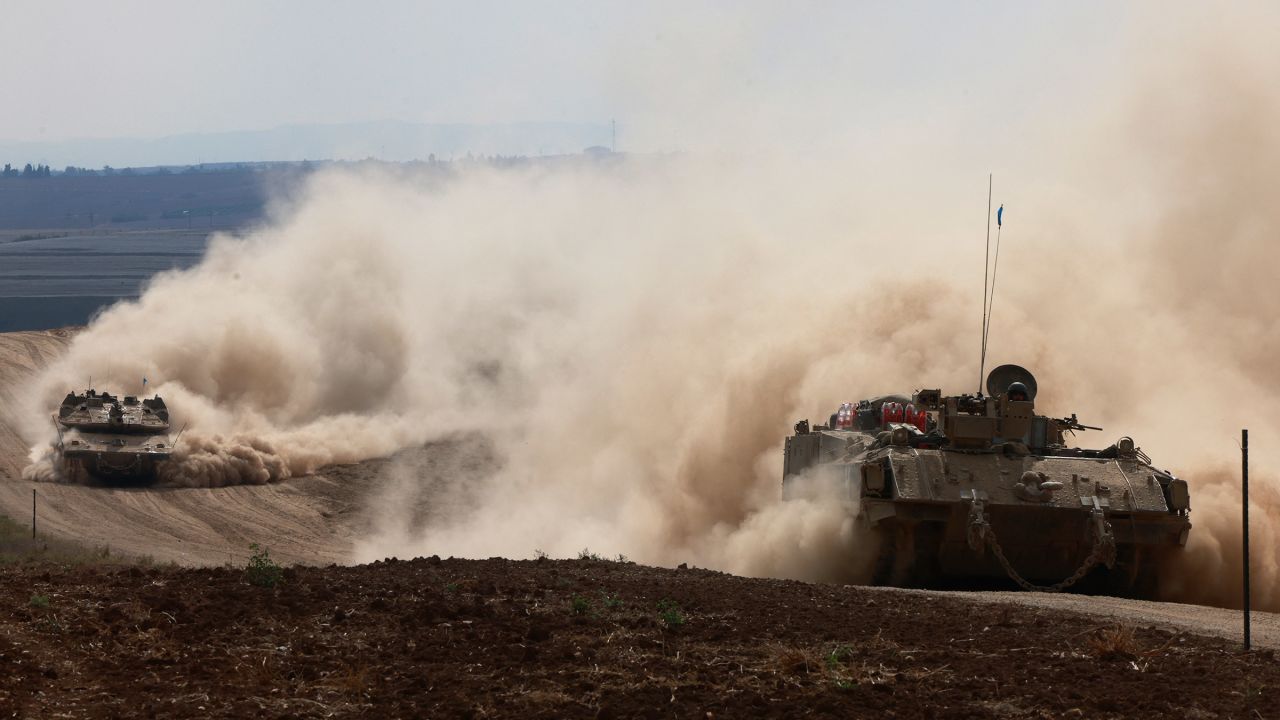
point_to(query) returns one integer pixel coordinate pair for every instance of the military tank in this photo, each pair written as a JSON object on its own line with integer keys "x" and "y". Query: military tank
{"x": 980, "y": 490}
{"x": 112, "y": 438}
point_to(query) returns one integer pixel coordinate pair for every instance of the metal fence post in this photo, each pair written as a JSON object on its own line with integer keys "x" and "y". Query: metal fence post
{"x": 1244, "y": 491}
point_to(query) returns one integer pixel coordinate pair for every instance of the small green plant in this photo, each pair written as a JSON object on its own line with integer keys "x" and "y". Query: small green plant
{"x": 262, "y": 570}
{"x": 40, "y": 601}
{"x": 838, "y": 656}
{"x": 669, "y": 613}
{"x": 580, "y": 605}
{"x": 613, "y": 602}
{"x": 451, "y": 587}
{"x": 586, "y": 554}
{"x": 844, "y": 675}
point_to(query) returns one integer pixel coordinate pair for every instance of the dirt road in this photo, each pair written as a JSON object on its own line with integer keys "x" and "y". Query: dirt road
{"x": 1216, "y": 622}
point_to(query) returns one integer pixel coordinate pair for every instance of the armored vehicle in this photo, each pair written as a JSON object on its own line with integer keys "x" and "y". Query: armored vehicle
{"x": 112, "y": 438}
{"x": 962, "y": 489}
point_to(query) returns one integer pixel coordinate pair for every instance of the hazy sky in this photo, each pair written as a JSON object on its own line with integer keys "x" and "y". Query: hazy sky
{"x": 671, "y": 73}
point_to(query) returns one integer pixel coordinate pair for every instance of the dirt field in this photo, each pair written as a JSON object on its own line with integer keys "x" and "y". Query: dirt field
{"x": 586, "y": 638}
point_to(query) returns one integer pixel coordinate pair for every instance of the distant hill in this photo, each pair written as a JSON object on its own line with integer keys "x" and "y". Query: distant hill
{"x": 389, "y": 140}
{"x": 227, "y": 198}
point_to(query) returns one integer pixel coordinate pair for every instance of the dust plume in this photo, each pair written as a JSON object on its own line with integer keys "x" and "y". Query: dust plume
{"x": 606, "y": 354}
{"x": 1153, "y": 316}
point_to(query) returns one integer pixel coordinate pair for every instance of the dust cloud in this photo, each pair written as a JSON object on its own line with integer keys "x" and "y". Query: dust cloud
{"x": 622, "y": 343}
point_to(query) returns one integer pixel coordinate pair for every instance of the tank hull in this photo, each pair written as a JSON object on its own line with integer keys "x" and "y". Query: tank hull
{"x": 114, "y": 458}
{"x": 942, "y": 514}
{"x": 927, "y": 545}
{"x": 125, "y": 467}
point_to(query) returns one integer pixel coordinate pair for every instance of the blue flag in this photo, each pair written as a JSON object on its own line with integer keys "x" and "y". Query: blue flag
{"x": 999, "y": 216}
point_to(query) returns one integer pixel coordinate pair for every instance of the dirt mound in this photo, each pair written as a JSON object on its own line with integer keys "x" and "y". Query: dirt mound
{"x": 586, "y": 638}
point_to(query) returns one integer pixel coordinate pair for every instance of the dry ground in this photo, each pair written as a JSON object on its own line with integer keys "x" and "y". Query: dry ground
{"x": 585, "y": 638}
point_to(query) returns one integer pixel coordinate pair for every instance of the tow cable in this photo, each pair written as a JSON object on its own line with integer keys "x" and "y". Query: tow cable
{"x": 980, "y": 533}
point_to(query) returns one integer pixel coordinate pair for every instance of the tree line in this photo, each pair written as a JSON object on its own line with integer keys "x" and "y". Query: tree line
{"x": 30, "y": 171}
{"x": 44, "y": 171}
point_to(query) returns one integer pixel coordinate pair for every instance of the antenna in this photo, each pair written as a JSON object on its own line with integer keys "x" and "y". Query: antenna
{"x": 991, "y": 299}
{"x": 986, "y": 267}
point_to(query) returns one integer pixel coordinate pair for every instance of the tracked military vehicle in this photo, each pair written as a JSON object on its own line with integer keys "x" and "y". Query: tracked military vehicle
{"x": 968, "y": 489}
{"x": 112, "y": 438}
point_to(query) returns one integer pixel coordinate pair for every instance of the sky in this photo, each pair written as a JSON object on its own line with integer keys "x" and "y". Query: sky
{"x": 982, "y": 79}
{"x": 675, "y": 75}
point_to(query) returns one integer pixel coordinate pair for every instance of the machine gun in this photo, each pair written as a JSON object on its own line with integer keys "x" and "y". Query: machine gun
{"x": 1071, "y": 423}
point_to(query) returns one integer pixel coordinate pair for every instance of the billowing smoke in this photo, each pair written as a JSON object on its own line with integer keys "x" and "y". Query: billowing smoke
{"x": 606, "y": 354}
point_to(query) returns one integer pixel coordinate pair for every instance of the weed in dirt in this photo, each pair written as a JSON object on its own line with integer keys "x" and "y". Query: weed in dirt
{"x": 1114, "y": 643}
{"x": 540, "y": 554}
{"x": 51, "y": 623}
{"x": 40, "y": 601}
{"x": 579, "y": 605}
{"x": 846, "y": 673}
{"x": 612, "y": 602}
{"x": 838, "y": 656}
{"x": 586, "y": 554}
{"x": 262, "y": 570}
{"x": 669, "y": 613}
{"x": 451, "y": 587}
{"x": 622, "y": 559}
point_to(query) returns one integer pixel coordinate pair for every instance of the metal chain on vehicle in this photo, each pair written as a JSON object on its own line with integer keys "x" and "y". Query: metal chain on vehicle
{"x": 1104, "y": 550}
{"x": 130, "y": 465}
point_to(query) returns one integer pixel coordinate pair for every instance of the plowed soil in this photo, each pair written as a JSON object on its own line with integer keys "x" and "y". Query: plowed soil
{"x": 585, "y": 638}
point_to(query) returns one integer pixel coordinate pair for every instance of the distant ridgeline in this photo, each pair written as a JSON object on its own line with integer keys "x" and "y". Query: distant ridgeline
{"x": 36, "y": 198}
